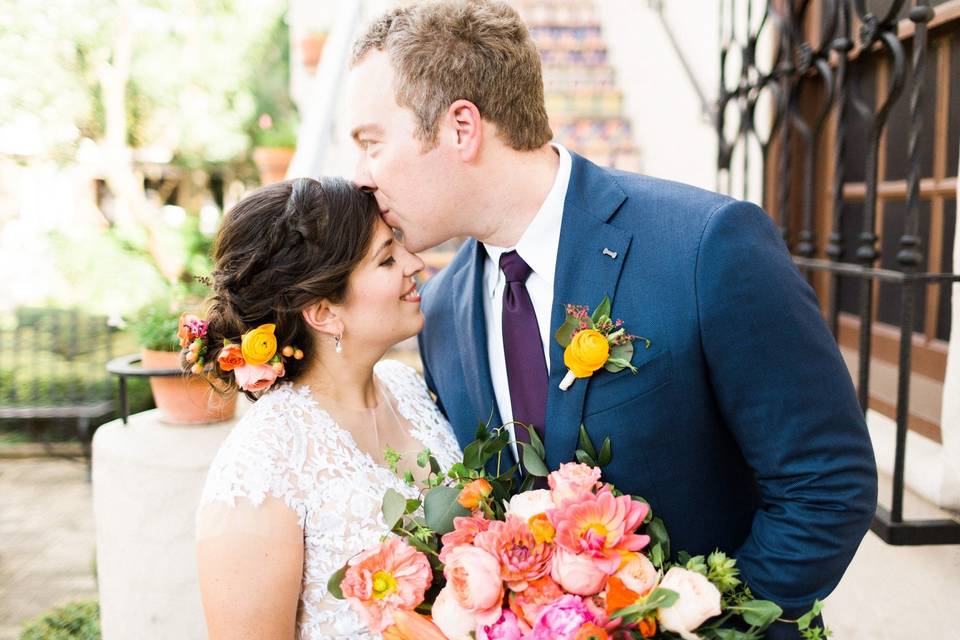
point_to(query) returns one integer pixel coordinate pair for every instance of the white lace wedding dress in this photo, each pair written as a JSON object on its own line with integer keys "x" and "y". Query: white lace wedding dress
{"x": 288, "y": 451}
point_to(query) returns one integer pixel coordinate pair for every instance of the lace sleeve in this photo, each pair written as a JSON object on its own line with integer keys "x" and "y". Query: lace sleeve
{"x": 263, "y": 457}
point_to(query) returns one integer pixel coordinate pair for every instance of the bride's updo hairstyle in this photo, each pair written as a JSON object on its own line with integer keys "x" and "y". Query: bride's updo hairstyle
{"x": 281, "y": 249}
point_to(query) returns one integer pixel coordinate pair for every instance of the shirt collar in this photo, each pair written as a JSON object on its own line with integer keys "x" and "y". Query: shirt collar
{"x": 540, "y": 241}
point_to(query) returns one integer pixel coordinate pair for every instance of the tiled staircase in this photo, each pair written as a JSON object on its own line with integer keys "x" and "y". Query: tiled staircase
{"x": 583, "y": 101}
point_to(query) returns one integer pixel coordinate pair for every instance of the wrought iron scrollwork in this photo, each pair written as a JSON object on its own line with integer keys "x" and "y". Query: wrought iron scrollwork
{"x": 813, "y": 51}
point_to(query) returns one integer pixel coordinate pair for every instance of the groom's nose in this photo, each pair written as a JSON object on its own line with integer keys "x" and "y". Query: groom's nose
{"x": 363, "y": 179}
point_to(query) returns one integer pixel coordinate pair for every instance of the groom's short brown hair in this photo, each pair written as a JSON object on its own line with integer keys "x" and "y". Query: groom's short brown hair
{"x": 477, "y": 50}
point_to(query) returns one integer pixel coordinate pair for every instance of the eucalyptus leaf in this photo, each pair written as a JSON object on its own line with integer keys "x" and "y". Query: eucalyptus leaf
{"x": 535, "y": 440}
{"x": 564, "y": 334}
{"x": 759, "y": 613}
{"x": 602, "y": 310}
{"x": 586, "y": 443}
{"x": 532, "y": 462}
{"x": 606, "y": 453}
{"x": 412, "y": 505}
{"x": 527, "y": 483}
{"x": 658, "y": 599}
{"x": 584, "y": 458}
{"x": 482, "y": 433}
{"x": 473, "y": 455}
{"x": 440, "y": 507}
{"x": 804, "y": 621}
{"x": 333, "y": 584}
{"x": 658, "y": 535}
{"x": 393, "y": 507}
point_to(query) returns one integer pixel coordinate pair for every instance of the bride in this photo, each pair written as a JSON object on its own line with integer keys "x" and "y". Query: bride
{"x": 295, "y": 490}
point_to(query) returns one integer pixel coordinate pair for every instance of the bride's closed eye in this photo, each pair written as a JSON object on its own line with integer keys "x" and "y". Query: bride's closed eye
{"x": 389, "y": 262}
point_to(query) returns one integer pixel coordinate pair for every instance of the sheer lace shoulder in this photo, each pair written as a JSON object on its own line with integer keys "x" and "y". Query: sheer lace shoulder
{"x": 286, "y": 447}
{"x": 265, "y": 454}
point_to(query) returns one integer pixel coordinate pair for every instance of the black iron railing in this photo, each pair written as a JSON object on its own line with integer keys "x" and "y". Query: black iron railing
{"x": 808, "y": 79}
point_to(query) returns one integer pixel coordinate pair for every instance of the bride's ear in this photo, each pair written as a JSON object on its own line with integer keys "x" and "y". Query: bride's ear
{"x": 323, "y": 317}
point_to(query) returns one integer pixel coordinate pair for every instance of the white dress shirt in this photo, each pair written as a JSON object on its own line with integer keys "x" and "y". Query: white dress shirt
{"x": 538, "y": 247}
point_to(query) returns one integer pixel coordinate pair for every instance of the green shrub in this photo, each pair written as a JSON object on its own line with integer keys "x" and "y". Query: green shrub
{"x": 156, "y": 326}
{"x": 72, "y": 621}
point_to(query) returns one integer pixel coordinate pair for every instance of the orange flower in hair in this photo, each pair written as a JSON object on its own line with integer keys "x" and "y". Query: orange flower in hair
{"x": 231, "y": 357}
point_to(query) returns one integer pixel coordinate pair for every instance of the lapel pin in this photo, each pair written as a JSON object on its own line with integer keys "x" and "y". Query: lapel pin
{"x": 611, "y": 254}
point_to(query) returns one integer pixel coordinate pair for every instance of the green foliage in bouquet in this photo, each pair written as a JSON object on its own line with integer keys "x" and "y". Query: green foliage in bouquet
{"x": 444, "y": 496}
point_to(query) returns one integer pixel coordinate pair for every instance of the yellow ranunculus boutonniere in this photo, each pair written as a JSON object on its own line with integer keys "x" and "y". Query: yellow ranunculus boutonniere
{"x": 259, "y": 345}
{"x": 594, "y": 341}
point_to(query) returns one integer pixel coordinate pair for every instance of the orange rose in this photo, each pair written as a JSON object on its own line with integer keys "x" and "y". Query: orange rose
{"x": 473, "y": 494}
{"x": 587, "y": 352}
{"x": 590, "y": 631}
{"x": 231, "y": 357}
{"x": 183, "y": 331}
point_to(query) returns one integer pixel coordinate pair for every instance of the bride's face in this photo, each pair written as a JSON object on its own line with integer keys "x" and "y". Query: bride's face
{"x": 382, "y": 305}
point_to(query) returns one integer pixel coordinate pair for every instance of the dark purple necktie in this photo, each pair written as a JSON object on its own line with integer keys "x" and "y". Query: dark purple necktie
{"x": 523, "y": 349}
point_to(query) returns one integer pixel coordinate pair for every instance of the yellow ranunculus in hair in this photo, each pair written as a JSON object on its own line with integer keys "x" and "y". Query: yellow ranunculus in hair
{"x": 259, "y": 345}
{"x": 587, "y": 352}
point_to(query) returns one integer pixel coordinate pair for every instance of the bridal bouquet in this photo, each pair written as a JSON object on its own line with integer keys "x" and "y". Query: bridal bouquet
{"x": 473, "y": 559}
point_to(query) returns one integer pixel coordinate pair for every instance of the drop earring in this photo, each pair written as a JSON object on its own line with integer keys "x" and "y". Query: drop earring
{"x": 339, "y": 339}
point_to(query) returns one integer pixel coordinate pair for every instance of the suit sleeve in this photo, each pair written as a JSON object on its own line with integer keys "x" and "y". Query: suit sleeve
{"x": 786, "y": 395}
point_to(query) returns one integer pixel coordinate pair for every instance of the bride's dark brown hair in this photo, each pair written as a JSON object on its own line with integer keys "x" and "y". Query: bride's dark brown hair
{"x": 281, "y": 249}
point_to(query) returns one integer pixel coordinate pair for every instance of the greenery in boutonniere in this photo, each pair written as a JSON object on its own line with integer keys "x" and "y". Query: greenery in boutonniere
{"x": 594, "y": 341}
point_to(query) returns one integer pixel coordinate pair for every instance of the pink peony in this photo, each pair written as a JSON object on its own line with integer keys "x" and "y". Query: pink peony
{"x": 572, "y": 482}
{"x": 465, "y": 529}
{"x": 257, "y": 377}
{"x": 393, "y": 575}
{"x": 561, "y": 620}
{"x": 521, "y": 557}
{"x": 578, "y": 573}
{"x": 506, "y": 628}
{"x": 601, "y": 526}
{"x": 474, "y": 576}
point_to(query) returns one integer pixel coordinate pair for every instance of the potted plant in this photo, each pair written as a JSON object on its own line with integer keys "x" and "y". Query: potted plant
{"x": 274, "y": 144}
{"x": 311, "y": 48}
{"x": 181, "y": 399}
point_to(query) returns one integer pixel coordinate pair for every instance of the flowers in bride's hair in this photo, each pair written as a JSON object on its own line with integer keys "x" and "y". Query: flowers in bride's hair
{"x": 259, "y": 345}
{"x": 230, "y": 357}
{"x": 190, "y": 328}
{"x": 594, "y": 342}
{"x": 254, "y": 378}
{"x": 389, "y": 577}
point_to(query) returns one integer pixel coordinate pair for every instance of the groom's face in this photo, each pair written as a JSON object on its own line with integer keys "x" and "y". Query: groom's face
{"x": 415, "y": 187}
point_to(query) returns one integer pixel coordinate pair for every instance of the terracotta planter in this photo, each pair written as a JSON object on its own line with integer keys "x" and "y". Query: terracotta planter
{"x": 272, "y": 163}
{"x": 184, "y": 400}
{"x": 311, "y": 48}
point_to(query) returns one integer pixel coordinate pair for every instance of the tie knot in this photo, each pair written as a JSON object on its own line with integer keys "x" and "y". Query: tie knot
{"x": 514, "y": 268}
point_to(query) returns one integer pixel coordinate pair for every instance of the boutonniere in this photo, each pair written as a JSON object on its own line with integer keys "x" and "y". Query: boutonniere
{"x": 594, "y": 341}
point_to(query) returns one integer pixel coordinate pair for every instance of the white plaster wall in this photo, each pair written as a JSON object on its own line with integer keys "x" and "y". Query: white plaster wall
{"x": 675, "y": 140}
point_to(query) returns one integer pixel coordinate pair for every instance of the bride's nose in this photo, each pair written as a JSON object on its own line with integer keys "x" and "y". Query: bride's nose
{"x": 414, "y": 265}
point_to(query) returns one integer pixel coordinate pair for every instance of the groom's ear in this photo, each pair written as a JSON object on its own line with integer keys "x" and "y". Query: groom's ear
{"x": 323, "y": 318}
{"x": 467, "y": 128}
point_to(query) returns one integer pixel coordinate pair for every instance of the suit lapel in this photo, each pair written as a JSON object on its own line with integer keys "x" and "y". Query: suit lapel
{"x": 584, "y": 275}
{"x": 472, "y": 340}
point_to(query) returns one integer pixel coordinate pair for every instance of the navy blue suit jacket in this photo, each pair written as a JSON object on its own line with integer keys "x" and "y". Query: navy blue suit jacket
{"x": 741, "y": 425}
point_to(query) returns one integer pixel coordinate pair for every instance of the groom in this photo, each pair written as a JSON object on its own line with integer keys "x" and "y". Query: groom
{"x": 740, "y": 425}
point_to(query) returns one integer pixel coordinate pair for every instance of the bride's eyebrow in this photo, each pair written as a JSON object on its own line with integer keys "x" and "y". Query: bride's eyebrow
{"x": 386, "y": 244}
